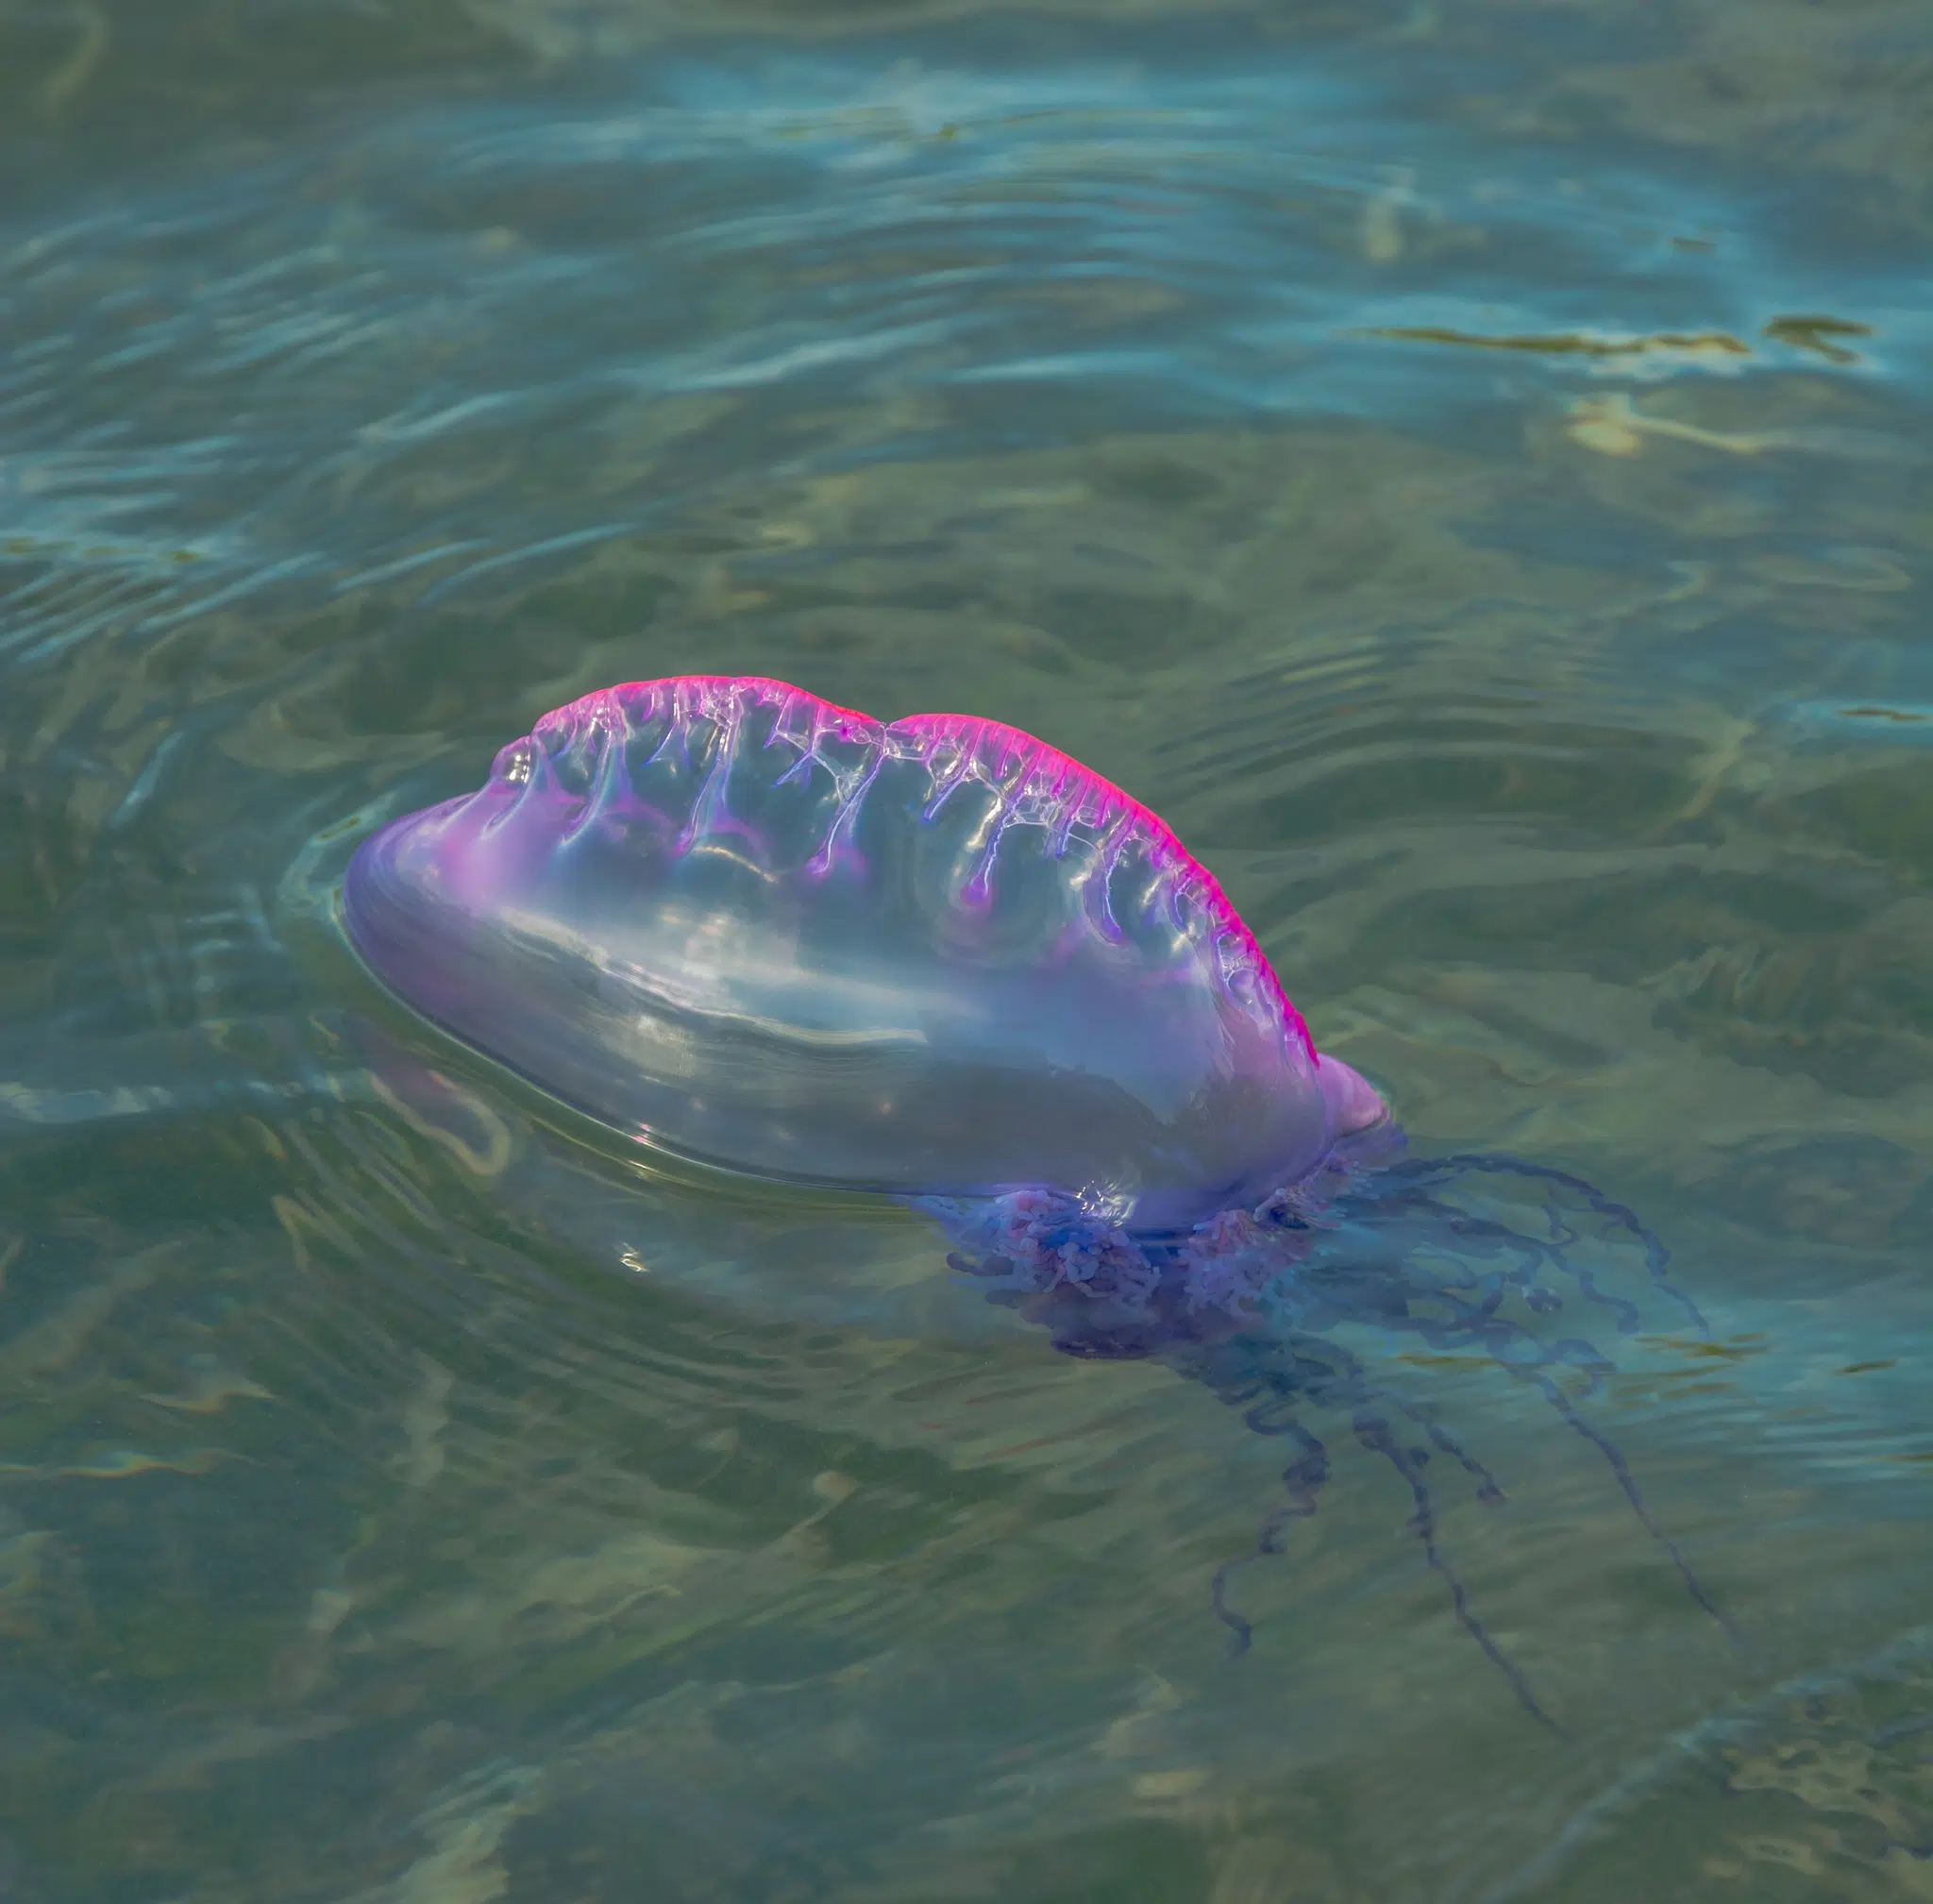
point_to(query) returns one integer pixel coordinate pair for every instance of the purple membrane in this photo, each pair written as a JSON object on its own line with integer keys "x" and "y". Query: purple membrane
{"x": 934, "y": 958}
{"x": 941, "y": 961}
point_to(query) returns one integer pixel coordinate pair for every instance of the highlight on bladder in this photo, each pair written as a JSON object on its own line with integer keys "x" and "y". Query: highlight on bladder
{"x": 941, "y": 961}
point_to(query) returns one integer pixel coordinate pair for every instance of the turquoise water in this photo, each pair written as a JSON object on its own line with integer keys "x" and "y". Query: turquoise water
{"x": 1469, "y": 471}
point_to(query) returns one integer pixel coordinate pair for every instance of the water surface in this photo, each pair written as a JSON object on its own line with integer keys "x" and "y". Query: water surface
{"x": 1467, "y": 469}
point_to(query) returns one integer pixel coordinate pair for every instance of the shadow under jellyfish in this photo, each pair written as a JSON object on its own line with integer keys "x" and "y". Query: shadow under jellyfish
{"x": 942, "y": 962}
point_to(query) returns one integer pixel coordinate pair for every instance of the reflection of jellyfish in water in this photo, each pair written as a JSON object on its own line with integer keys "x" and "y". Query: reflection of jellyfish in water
{"x": 942, "y": 962}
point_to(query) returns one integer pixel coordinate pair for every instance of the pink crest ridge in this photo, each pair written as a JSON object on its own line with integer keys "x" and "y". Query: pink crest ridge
{"x": 1038, "y": 784}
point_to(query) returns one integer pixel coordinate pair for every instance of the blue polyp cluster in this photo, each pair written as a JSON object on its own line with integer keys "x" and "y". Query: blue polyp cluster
{"x": 1250, "y": 1305}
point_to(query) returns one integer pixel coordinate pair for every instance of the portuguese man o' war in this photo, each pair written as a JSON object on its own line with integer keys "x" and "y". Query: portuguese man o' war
{"x": 941, "y": 961}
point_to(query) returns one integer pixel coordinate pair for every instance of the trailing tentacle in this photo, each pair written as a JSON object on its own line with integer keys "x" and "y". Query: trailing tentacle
{"x": 1656, "y": 1257}
{"x": 1535, "y": 1371}
{"x": 1331, "y": 1377}
{"x": 1303, "y": 1480}
{"x": 1373, "y": 1431}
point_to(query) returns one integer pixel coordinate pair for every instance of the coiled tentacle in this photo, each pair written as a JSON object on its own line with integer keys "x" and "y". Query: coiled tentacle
{"x": 1333, "y": 1379}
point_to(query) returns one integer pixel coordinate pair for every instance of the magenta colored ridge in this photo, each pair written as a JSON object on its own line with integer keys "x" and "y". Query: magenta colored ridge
{"x": 1038, "y": 784}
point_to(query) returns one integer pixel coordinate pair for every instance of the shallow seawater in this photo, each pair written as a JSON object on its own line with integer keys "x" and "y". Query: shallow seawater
{"x": 1467, "y": 469}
